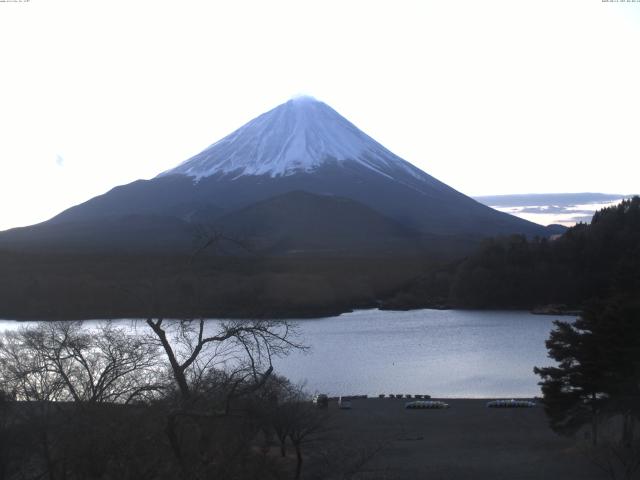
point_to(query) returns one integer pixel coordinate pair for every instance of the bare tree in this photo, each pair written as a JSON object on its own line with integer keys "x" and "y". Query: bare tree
{"x": 307, "y": 424}
{"x": 296, "y": 418}
{"x": 236, "y": 355}
{"x": 65, "y": 361}
{"x": 281, "y": 424}
{"x": 24, "y": 372}
{"x": 58, "y": 362}
{"x": 8, "y": 451}
{"x": 246, "y": 347}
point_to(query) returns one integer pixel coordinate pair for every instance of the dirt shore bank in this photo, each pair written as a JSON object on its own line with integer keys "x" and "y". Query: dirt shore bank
{"x": 466, "y": 441}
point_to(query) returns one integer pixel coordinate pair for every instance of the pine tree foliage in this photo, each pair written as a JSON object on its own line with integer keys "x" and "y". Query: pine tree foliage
{"x": 598, "y": 367}
{"x": 599, "y": 260}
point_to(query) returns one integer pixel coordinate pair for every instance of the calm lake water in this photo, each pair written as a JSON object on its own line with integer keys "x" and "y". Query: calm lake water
{"x": 443, "y": 353}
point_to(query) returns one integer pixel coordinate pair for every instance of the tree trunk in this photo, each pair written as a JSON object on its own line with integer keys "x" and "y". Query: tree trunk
{"x": 299, "y": 461}
{"x": 47, "y": 456}
{"x": 627, "y": 429}
{"x": 594, "y": 421}
{"x": 178, "y": 370}
{"x": 283, "y": 448}
{"x": 174, "y": 442}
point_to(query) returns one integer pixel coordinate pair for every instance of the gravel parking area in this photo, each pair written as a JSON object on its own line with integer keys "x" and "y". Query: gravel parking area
{"x": 466, "y": 441}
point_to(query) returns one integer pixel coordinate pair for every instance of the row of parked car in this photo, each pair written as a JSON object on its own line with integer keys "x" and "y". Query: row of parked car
{"x": 322, "y": 401}
{"x": 406, "y": 395}
{"x": 511, "y": 404}
{"x": 425, "y": 404}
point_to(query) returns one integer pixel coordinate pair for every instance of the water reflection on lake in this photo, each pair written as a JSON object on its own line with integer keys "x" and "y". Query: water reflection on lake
{"x": 444, "y": 353}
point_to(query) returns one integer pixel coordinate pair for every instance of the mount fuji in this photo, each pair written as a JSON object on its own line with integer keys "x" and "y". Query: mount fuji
{"x": 299, "y": 136}
{"x": 298, "y": 178}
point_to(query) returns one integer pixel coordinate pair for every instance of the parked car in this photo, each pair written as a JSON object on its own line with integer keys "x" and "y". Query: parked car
{"x": 344, "y": 403}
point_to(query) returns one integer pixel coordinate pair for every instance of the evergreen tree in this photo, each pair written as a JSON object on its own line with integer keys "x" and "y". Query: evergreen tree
{"x": 599, "y": 260}
{"x": 598, "y": 371}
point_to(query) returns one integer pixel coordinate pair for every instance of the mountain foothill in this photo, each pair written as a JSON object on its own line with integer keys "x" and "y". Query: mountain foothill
{"x": 297, "y": 212}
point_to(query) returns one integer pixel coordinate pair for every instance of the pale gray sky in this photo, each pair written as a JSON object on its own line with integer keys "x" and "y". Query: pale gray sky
{"x": 488, "y": 96}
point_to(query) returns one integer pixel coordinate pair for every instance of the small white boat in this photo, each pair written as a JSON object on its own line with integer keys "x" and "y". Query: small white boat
{"x": 426, "y": 404}
{"x": 511, "y": 404}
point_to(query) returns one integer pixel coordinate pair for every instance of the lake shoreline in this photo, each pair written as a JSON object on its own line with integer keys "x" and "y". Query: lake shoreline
{"x": 297, "y": 315}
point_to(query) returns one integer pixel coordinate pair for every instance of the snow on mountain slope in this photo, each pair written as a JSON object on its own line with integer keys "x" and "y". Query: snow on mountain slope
{"x": 297, "y": 136}
{"x": 302, "y": 145}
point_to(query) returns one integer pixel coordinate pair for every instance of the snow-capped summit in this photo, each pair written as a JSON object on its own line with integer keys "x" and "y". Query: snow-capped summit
{"x": 297, "y": 136}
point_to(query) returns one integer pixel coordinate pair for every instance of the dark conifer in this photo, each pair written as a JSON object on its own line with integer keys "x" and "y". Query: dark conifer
{"x": 598, "y": 370}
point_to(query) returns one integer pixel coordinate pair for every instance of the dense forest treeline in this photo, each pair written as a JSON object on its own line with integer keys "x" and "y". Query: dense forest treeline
{"x": 589, "y": 261}
{"x": 57, "y": 286}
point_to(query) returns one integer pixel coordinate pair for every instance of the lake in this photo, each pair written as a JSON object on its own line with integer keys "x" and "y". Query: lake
{"x": 443, "y": 353}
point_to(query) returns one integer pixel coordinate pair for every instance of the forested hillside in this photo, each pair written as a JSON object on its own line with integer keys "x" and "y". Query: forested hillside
{"x": 599, "y": 260}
